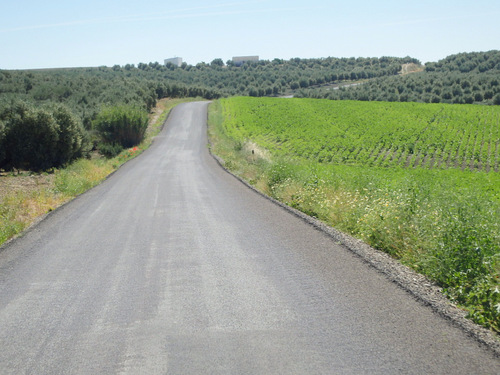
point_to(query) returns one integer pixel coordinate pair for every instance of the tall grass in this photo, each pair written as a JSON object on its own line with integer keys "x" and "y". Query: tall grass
{"x": 436, "y": 222}
{"x": 81, "y": 176}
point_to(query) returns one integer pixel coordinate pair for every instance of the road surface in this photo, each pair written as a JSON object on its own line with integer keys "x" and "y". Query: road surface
{"x": 173, "y": 266}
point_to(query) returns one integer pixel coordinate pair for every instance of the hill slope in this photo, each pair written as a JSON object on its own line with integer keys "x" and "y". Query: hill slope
{"x": 465, "y": 78}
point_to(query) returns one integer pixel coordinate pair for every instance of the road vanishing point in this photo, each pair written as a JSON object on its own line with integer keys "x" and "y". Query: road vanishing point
{"x": 173, "y": 266}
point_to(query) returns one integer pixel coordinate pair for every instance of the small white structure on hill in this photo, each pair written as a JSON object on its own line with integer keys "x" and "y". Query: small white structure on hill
{"x": 177, "y": 61}
{"x": 239, "y": 60}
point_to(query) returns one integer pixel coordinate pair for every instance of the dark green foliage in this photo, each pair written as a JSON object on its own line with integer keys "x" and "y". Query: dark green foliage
{"x": 465, "y": 78}
{"x": 109, "y": 150}
{"x": 460, "y": 257}
{"x": 217, "y": 62}
{"x": 2, "y": 144}
{"x": 472, "y": 62}
{"x": 279, "y": 173}
{"x": 73, "y": 141}
{"x": 84, "y": 90}
{"x": 39, "y": 139}
{"x": 121, "y": 125}
{"x": 464, "y": 261}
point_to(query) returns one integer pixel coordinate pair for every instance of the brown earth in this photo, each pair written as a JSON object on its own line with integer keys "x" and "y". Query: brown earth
{"x": 411, "y": 68}
{"x": 23, "y": 182}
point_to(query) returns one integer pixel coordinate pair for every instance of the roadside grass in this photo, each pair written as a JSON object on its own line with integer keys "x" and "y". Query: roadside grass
{"x": 23, "y": 200}
{"x": 444, "y": 224}
{"x": 19, "y": 209}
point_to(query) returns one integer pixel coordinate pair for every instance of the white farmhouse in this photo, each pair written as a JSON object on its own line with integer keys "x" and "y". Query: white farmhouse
{"x": 239, "y": 60}
{"x": 177, "y": 61}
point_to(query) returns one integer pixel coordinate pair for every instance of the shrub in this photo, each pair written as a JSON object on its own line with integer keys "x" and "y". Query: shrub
{"x": 123, "y": 125}
{"x": 496, "y": 99}
{"x": 40, "y": 139}
{"x": 31, "y": 138}
{"x": 109, "y": 150}
{"x": 279, "y": 173}
{"x": 74, "y": 141}
{"x": 2, "y": 144}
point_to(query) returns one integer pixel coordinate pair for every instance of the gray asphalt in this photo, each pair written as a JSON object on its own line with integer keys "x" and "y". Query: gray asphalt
{"x": 173, "y": 266}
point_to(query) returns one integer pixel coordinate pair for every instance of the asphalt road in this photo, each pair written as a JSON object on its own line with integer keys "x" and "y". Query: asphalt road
{"x": 173, "y": 266}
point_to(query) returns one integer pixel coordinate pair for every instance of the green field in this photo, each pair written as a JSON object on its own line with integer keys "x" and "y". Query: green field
{"x": 371, "y": 133}
{"x": 419, "y": 181}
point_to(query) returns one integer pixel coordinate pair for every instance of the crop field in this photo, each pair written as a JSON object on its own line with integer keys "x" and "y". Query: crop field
{"x": 418, "y": 181}
{"x": 410, "y": 135}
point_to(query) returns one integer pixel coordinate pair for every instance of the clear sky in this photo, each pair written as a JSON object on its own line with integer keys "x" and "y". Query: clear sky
{"x": 75, "y": 33}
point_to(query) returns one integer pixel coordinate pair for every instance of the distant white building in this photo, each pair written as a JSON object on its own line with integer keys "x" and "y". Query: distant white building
{"x": 177, "y": 61}
{"x": 239, "y": 60}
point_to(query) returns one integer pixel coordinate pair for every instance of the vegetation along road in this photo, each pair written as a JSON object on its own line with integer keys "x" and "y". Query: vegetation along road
{"x": 174, "y": 266}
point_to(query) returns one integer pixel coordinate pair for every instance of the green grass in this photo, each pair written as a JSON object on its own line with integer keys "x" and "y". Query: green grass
{"x": 382, "y": 134}
{"x": 443, "y": 222}
{"x": 19, "y": 209}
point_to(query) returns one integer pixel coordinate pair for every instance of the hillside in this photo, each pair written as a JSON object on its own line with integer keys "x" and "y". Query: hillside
{"x": 85, "y": 89}
{"x": 462, "y": 78}
{"x": 466, "y": 78}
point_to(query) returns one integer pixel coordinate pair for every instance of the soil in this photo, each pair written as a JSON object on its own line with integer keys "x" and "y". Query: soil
{"x": 411, "y": 68}
{"x": 254, "y": 149}
{"x": 23, "y": 182}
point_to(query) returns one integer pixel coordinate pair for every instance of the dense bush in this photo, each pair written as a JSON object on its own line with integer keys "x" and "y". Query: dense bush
{"x": 40, "y": 139}
{"x": 121, "y": 125}
{"x": 2, "y": 140}
{"x": 109, "y": 150}
{"x": 73, "y": 140}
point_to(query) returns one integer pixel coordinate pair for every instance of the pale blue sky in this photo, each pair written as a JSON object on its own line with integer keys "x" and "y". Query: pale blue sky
{"x": 51, "y": 33}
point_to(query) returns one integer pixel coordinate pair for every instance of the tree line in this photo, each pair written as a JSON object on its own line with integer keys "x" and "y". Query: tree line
{"x": 85, "y": 89}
